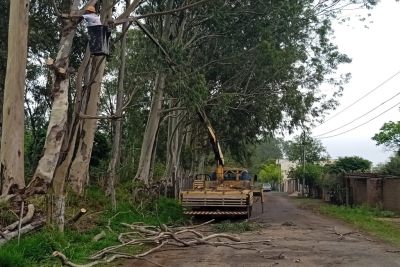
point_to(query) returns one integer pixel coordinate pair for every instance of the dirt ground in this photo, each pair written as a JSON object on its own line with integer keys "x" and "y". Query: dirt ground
{"x": 298, "y": 238}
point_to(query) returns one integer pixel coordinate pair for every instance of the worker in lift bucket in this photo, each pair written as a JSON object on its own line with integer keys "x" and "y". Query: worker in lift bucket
{"x": 91, "y": 17}
{"x": 99, "y": 34}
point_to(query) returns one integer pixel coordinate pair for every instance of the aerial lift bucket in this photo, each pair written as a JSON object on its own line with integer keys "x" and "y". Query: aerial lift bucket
{"x": 99, "y": 40}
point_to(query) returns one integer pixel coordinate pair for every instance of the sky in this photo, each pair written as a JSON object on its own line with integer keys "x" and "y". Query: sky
{"x": 375, "y": 54}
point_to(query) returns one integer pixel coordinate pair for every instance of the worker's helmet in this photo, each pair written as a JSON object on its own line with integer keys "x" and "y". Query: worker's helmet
{"x": 91, "y": 9}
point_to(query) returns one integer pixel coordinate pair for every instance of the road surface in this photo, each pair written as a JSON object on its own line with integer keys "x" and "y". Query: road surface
{"x": 298, "y": 238}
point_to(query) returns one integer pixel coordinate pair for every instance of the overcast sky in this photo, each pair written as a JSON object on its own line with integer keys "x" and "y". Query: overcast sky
{"x": 375, "y": 52}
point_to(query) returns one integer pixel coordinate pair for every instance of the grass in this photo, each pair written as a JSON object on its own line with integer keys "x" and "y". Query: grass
{"x": 364, "y": 218}
{"x": 36, "y": 249}
{"x": 235, "y": 227}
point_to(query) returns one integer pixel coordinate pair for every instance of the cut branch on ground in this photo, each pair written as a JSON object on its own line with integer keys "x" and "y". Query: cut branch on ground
{"x": 158, "y": 237}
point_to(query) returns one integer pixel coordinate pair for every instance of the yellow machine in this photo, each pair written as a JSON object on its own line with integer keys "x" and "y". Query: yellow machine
{"x": 226, "y": 192}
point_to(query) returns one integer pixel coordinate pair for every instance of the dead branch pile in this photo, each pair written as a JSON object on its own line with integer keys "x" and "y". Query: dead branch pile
{"x": 11, "y": 231}
{"x": 154, "y": 238}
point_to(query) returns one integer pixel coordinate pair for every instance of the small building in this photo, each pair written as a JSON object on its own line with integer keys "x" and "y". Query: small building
{"x": 288, "y": 185}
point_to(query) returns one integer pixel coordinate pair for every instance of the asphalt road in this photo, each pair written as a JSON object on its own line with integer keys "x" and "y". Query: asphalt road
{"x": 298, "y": 238}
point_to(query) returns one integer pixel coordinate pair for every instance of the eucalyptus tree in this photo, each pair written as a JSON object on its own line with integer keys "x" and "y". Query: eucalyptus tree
{"x": 389, "y": 136}
{"x": 257, "y": 66}
{"x": 12, "y": 141}
{"x": 304, "y": 147}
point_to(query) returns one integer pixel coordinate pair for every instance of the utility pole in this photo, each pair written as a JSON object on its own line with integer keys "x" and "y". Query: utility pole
{"x": 304, "y": 164}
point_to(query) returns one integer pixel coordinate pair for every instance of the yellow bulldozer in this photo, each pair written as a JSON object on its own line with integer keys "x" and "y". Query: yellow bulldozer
{"x": 226, "y": 192}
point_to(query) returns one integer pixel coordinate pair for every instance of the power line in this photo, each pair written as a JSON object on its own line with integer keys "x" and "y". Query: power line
{"x": 358, "y": 126}
{"x": 340, "y": 127}
{"x": 361, "y": 98}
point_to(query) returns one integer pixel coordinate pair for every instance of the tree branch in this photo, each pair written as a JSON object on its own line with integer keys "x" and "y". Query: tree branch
{"x": 122, "y": 20}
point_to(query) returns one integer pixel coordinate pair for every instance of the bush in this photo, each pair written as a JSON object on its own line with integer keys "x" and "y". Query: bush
{"x": 12, "y": 258}
{"x": 36, "y": 249}
{"x": 237, "y": 227}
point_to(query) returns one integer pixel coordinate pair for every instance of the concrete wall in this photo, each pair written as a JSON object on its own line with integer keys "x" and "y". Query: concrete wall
{"x": 358, "y": 191}
{"x": 391, "y": 194}
{"x": 374, "y": 190}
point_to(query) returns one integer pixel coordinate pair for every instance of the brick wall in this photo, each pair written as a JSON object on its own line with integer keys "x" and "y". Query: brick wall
{"x": 374, "y": 190}
{"x": 391, "y": 195}
{"x": 358, "y": 188}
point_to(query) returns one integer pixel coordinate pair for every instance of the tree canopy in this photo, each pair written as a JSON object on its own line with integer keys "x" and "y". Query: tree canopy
{"x": 389, "y": 136}
{"x": 313, "y": 149}
{"x": 270, "y": 172}
{"x": 350, "y": 164}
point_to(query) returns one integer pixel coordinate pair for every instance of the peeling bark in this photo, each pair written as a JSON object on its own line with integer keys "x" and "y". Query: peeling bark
{"x": 174, "y": 147}
{"x": 12, "y": 141}
{"x": 153, "y": 121}
{"x": 79, "y": 172}
{"x": 80, "y": 165}
{"x": 116, "y": 149}
{"x": 57, "y": 128}
{"x": 62, "y": 170}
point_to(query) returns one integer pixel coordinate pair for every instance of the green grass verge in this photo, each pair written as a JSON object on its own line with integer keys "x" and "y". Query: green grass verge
{"x": 36, "y": 249}
{"x": 371, "y": 220}
{"x": 235, "y": 227}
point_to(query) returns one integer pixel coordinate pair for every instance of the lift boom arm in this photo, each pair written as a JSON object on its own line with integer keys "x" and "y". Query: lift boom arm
{"x": 219, "y": 157}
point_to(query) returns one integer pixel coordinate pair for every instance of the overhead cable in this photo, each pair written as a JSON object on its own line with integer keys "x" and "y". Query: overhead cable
{"x": 358, "y": 126}
{"x": 344, "y": 125}
{"x": 361, "y": 98}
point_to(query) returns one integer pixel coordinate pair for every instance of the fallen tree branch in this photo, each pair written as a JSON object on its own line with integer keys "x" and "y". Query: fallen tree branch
{"x": 197, "y": 226}
{"x": 6, "y": 198}
{"x": 26, "y": 229}
{"x": 27, "y": 218}
{"x": 99, "y": 236}
{"x": 342, "y": 235}
{"x": 159, "y": 237}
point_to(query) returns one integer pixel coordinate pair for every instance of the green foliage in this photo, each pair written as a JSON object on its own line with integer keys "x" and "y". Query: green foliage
{"x": 270, "y": 172}
{"x": 158, "y": 170}
{"x": 34, "y": 142}
{"x": 6, "y": 215}
{"x": 168, "y": 211}
{"x": 12, "y": 258}
{"x": 235, "y": 227}
{"x": 366, "y": 219}
{"x": 101, "y": 148}
{"x": 312, "y": 148}
{"x": 333, "y": 184}
{"x": 392, "y": 167}
{"x": 35, "y": 249}
{"x": 349, "y": 164}
{"x": 312, "y": 173}
{"x": 265, "y": 150}
{"x": 374, "y": 221}
{"x": 389, "y": 136}
{"x": 100, "y": 155}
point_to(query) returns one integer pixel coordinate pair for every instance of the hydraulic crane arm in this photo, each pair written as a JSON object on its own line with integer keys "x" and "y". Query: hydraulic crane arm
{"x": 213, "y": 138}
{"x": 219, "y": 157}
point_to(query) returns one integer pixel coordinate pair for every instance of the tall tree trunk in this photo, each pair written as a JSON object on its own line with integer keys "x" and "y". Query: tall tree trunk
{"x": 115, "y": 155}
{"x": 174, "y": 144}
{"x": 153, "y": 122}
{"x": 12, "y": 142}
{"x": 148, "y": 145}
{"x": 56, "y": 130}
{"x": 58, "y": 193}
{"x": 154, "y": 155}
{"x": 80, "y": 166}
{"x": 79, "y": 172}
